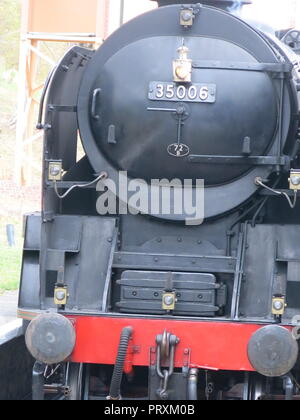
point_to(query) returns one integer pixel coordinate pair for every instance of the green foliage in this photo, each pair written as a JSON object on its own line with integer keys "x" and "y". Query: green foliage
{"x": 10, "y": 258}
{"x": 10, "y": 266}
{"x": 10, "y": 21}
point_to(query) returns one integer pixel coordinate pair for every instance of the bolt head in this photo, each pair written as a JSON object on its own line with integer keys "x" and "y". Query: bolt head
{"x": 50, "y": 338}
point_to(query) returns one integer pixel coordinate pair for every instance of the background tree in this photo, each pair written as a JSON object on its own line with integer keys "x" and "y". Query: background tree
{"x": 10, "y": 20}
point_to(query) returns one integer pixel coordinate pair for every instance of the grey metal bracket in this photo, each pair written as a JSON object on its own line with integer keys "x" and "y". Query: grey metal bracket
{"x": 239, "y": 160}
{"x": 285, "y": 68}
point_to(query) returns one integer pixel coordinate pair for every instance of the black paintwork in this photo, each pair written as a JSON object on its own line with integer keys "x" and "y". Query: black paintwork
{"x": 149, "y": 44}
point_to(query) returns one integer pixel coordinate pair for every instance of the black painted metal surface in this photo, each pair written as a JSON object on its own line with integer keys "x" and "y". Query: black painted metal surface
{"x": 248, "y": 103}
{"x": 222, "y": 4}
{"x": 195, "y": 294}
{"x": 15, "y": 370}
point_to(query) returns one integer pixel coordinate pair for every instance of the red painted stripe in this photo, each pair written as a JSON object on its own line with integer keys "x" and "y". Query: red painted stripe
{"x": 213, "y": 345}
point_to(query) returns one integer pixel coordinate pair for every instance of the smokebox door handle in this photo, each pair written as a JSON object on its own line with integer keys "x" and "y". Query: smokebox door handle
{"x": 96, "y": 95}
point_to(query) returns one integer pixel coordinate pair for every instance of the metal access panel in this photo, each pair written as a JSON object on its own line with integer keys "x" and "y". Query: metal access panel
{"x": 271, "y": 268}
{"x": 195, "y": 293}
{"x": 72, "y": 251}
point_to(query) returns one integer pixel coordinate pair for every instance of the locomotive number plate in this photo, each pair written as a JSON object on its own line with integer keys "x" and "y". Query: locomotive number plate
{"x": 197, "y": 92}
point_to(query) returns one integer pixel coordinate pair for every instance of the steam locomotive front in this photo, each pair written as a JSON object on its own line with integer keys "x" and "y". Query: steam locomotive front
{"x": 189, "y": 92}
{"x": 186, "y": 91}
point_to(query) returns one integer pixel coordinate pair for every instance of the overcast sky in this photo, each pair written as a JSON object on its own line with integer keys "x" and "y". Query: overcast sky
{"x": 277, "y": 13}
